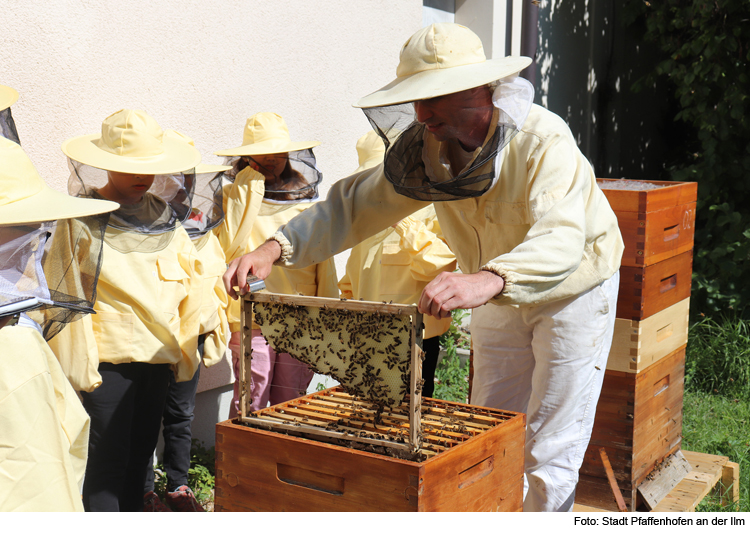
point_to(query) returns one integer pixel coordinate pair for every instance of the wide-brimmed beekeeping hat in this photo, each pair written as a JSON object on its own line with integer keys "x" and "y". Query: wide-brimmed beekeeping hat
{"x": 442, "y": 59}
{"x": 8, "y": 96}
{"x": 26, "y": 198}
{"x": 132, "y": 142}
{"x": 266, "y": 133}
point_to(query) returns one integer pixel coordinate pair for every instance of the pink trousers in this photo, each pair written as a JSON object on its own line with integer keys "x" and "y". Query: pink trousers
{"x": 275, "y": 377}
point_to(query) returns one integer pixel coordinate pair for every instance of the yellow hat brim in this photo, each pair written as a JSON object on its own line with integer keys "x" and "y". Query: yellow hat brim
{"x": 268, "y": 147}
{"x": 51, "y": 205}
{"x": 440, "y": 82}
{"x": 178, "y": 156}
{"x": 208, "y": 168}
{"x": 8, "y": 96}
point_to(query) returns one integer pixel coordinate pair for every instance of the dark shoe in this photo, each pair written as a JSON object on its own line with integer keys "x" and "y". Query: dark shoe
{"x": 183, "y": 500}
{"x": 152, "y": 503}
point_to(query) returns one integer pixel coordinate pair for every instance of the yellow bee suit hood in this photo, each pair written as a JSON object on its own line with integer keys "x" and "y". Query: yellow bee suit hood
{"x": 213, "y": 320}
{"x": 249, "y": 221}
{"x": 396, "y": 264}
{"x": 143, "y": 310}
{"x": 45, "y": 429}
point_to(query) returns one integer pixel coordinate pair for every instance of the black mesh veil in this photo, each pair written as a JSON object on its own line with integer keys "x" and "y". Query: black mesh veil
{"x": 166, "y": 203}
{"x": 53, "y": 267}
{"x": 8, "y": 126}
{"x": 414, "y": 160}
{"x": 298, "y": 181}
{"x": 207, "y": 209}
{"x": 71, "y": 264}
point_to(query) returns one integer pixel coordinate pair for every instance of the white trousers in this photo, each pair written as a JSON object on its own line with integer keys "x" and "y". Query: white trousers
{"x": 548, "y": 362}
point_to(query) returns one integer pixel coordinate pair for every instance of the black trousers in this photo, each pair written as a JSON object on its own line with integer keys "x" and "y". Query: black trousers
{"x": 431, "y": 348}
{"x": 125, "y": 413}
{"x": 177, "y": 419}
{"x": 177, "y": 433}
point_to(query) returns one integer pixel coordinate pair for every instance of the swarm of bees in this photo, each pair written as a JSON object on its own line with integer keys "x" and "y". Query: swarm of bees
{"x": 369, "y": 353}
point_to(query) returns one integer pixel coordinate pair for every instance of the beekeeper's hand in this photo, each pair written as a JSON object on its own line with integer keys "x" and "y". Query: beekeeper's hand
{"x": 258, "y": 263}
{"x": 451, "y": 290}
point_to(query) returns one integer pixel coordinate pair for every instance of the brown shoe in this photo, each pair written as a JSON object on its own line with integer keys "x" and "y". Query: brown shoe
{"x": 183, "y": 500}
{"x": 152, "y": 503}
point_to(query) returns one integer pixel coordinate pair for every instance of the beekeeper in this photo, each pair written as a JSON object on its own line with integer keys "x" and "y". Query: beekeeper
{"x": 395, "y": 264}
{"x": 45, "y": 429}
{"x": 535, "y": 238}
{"x": 275, "y": 179}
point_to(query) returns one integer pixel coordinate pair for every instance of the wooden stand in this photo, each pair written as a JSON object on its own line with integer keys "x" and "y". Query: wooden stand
{"x": 475, "y": 460}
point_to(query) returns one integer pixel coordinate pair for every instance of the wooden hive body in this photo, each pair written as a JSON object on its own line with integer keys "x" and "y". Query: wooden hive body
{"x": 260, "y": 470}
{"x": 655, "y": 224}
{"x": 332, "y": 451}
{"x": 639, "y": 424}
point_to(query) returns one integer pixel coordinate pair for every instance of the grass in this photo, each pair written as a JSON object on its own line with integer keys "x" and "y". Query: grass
{"x": 718, "y": 425}
{"x": 201, "y": 475}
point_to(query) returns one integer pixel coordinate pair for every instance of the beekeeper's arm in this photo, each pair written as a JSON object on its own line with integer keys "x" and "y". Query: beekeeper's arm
{"x": 356, "y": 208}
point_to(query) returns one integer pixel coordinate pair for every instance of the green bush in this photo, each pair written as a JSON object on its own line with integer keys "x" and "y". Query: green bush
{"x": 452, "y": 382}
{"x": 706, "y": 60}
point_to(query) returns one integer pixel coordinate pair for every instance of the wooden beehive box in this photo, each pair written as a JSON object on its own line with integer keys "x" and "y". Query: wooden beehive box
{"x": 646, "y": 290}
{"x": 473, "y": 460}
{"x": 637, "y": 345}
{"x": 639, "y": 424}
{"x": 656, "y": 224}
{"x": 335, "y": 451}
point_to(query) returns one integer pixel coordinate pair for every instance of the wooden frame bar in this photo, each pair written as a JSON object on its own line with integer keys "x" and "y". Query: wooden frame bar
{"x": 415, "y": 389}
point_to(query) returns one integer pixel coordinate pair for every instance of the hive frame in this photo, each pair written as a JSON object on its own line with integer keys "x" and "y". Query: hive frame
{"x": 415, "y": 389}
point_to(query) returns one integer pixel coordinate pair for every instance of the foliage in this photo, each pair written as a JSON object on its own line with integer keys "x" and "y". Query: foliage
{"x": 452, "y": 382}
{"x": 718, "y": 425}
{"x": 201, "y": 475}
{"x": 718, "y": 356}
{"x": 706, "y": 47}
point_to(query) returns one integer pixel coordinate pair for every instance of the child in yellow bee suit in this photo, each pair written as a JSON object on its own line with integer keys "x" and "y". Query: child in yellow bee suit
{"x": 394, "y": 265}
{"x": 275, "y": 179}
{"x": 45, "y": 428}
{"x": 148, "y": 307}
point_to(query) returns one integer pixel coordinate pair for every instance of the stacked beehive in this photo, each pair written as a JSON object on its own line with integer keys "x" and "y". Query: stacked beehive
{"x": 639, "y": 415}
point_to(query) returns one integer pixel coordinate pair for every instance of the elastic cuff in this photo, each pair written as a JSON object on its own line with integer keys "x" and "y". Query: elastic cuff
{"x": 498, "y": 271}
{"x": 405, "y": 225}
{"x": 287, "y": 250}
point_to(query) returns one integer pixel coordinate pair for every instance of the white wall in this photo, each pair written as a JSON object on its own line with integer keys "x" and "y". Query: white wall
{"x": 199, "y": 67}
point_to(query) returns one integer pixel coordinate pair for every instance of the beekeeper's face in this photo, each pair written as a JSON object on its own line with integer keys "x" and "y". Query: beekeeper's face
{"x": 464, "y": 116}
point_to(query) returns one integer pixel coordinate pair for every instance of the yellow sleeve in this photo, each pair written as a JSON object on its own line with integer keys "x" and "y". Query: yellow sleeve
{"x": 326, "y": 278}
{"x": 189, "y": 311}
{"x": 45, "y": 428}
{"x": 214, "y": 324}
{"x": 428, "y": 254}
{"x": 76, "y": 350}
{"x": 242, "y": 202}
{"x": 345, "y": 286}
